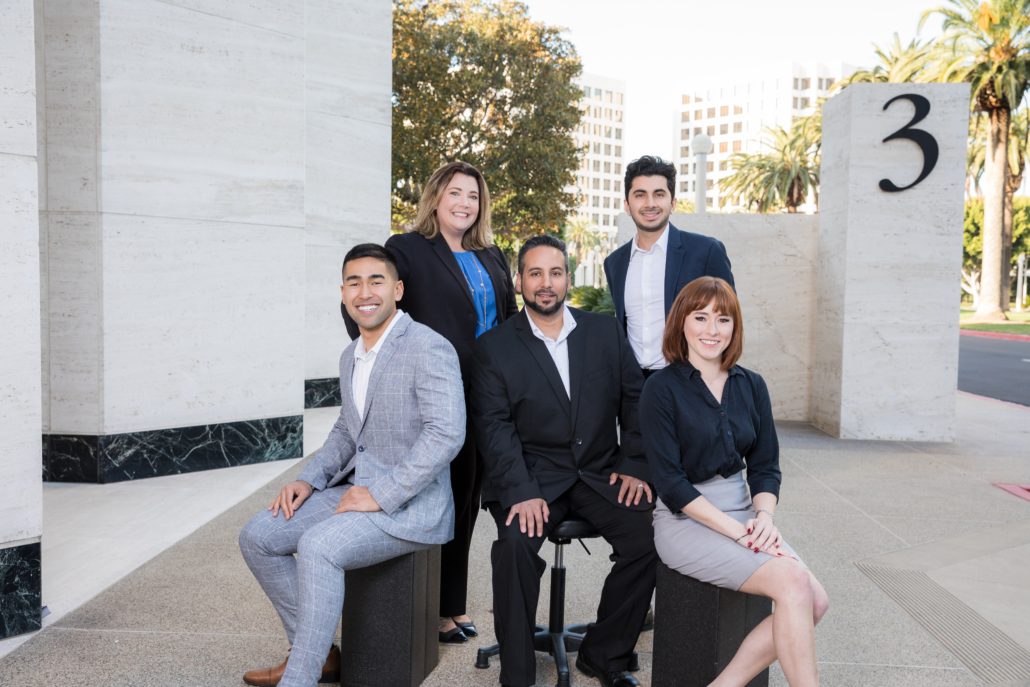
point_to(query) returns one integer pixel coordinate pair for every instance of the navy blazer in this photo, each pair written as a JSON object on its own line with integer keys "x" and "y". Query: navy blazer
{"x": 690, "y": 256}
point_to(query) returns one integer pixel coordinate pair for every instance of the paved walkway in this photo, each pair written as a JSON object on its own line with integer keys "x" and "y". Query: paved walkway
{"x": 862, "y": 514}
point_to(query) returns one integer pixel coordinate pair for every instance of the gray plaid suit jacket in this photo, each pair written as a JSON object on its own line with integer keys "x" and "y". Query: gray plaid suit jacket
{"x": 414, "y": 426}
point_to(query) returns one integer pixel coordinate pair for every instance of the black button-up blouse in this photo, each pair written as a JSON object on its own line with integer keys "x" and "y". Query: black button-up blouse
{"x": 689, "y": 437}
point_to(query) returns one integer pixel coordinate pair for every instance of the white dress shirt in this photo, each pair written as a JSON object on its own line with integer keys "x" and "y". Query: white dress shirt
{"x": 364, "y": 361}
{"x": 558, "y": 348}
{"x": 645, "y": 301}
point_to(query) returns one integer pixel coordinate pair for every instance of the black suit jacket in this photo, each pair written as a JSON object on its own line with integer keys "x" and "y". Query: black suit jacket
{"x": 690, "y": 256}
{"x": 535, "y": 440}
{"x": 437, "y": 294}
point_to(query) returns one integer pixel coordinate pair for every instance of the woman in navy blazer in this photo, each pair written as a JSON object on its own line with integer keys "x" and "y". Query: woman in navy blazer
{"x": 457, "y": 283}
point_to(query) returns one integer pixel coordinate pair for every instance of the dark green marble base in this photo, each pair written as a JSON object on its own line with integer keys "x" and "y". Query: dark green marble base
{"x": 322, "y": 393}
{"x": 136, "y": 455}
{"x": 21, "y": 590}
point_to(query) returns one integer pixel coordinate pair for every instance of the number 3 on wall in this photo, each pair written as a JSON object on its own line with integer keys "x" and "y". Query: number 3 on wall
{"x": 926, "y": 142}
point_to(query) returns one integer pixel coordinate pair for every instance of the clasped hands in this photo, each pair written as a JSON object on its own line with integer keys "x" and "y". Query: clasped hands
{"x": 295, "y": 493}
{"x": 534, "y": 512}
{"x": 763, "y": 536}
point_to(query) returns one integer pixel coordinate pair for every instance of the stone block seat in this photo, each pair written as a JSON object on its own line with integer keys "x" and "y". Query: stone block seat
{"x": 390, "y": 617}
{"x": 698, "y": 629}
{"x": 558, "y": 639}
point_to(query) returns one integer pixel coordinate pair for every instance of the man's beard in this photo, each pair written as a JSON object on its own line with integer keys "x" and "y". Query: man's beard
{"x": 540, "y": 310}
{"x": 640, "y": 227}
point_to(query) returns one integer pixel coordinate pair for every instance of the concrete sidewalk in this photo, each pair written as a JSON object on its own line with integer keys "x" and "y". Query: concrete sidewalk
{"x": 194, "y": 616}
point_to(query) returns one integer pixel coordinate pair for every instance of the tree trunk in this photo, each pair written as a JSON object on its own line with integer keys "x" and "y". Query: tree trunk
{"x": 995, "y": 163}
{"x": 1012, "y": 183}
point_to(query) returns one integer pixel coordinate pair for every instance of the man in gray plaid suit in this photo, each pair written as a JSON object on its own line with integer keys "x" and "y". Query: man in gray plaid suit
{"x": 378, "y": 489}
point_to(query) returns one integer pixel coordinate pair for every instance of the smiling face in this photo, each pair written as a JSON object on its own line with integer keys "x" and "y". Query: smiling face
{"x": 370, "y": 292}
{"x": 650, "y": 202}
{"x": 459, "y": 205}
{"x": 708, "y": 333}
{"x": 544, "y": 281}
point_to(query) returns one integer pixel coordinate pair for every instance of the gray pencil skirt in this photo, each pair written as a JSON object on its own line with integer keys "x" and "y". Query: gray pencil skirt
{"x": 693, "y": 549}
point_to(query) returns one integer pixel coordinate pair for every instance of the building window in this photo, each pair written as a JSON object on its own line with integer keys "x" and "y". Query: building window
{"x": 684, "y": 169}
{"x": 737, "y": 126}
{"x": 829, "y": 84}
{"x": 618, "y": 115}
{"x": 724, "y": 129}
{"x": 597, "y": 94}
{"x": 608, "y": 113}
{"x": 693, "y": 168}
{"x": 684, "y": 186}
{"x": 710, "y": 166}
{"x": 723, "y": 166}
{"x": 821, "y": 86}
{"x": 584, "y": 164}
{"x": 698, "y": 114}
{"x": 607, "y": 96}
{"x": 597, "y": 148}
{"x": 737, "y": 109}
{"x": 685, "y": 116}
{"x": 607, "y": 132}
{"x": 797, "y": 84}
{"x": 618, "y": 185}
{"x": 584, "y": 201}
{"x": 606, "y": 217}
{"x": 722, "y": 147}
{"x": 795, "y": 103}
{"x": 693, "y": 185}
{"x": 586, "y": 129}
{"x": 618, "y": 169}
{"x": 685, "y": 135}
{"x": 597, "y": 129}
{"x": 595, "y": 217}
{"x": 806, "y": 84}
{"x": 586, "y": 91}
{"x": 597, "y": 202}
{"x": 618, "y": 98}
{"x": 618, "y": 134}
{"x": 724, "y": 110}
{"x": 597, "y": 113}
{"x": 597, "y": 183}
{"x": 711, "y": 184}
{"x": 607, "y": 184}
{"x": 607, "y": 202}
{"x": 697, "y": 131}
{"x": 607, "y": 148}
{"x": 686, "y": 100}
{"x": 607, "y": 168}
{"x": 618, "y": 151}
{"x": 708, "y": 201}
{"x": 597, "y": 166}
{"x": 711, "y": 112}
{"x": 736, "y": 146}
{"x": 684, "y": 151}
{"x": 804, "y": 103}
{"x": 711, "y": 131}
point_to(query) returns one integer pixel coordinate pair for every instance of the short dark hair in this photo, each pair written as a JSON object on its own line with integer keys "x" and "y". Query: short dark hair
{"x": 649, "y": 166}
{"x": 371, "y": 250}
{"x": 538, "y": 241}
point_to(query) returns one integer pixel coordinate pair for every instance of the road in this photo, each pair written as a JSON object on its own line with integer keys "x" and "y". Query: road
{"x": 996, "y": 368}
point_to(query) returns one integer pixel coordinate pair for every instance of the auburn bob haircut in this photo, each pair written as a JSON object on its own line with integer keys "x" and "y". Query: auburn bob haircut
{"x": 479, "y": 235}
{"x": 696, "y": 296}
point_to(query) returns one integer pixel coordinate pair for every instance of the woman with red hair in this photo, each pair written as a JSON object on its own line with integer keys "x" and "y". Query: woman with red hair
{"x": 704, "y": 420}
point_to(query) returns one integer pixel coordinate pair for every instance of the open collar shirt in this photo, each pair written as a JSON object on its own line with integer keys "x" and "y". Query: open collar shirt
{"x": 364, "y": 361}
{"x": 558, "y": 348}
{"x": 645, "y": 301}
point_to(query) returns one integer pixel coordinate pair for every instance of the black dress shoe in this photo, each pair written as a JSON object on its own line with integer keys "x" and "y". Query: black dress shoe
{"x": 468, "y": 629}
{"x": 608, "y": 678}
{"x": 453, "y": 636}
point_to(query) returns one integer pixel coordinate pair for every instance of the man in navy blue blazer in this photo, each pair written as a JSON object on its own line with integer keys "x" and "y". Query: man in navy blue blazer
{"x": 646, "y": 274}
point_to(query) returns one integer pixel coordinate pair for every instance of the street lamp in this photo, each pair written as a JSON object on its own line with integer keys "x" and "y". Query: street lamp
{"x": 702, "y": 145}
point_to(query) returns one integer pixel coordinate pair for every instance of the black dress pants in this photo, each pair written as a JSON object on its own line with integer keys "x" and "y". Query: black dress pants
{"x": 517, "y": 568}
{"x": 467, "y": 486}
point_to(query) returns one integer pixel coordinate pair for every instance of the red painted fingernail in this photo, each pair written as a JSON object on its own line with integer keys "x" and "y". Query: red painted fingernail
{"x": 749, "y": 531}
{"x": 749, "y": 545}
{"x": 756, "y": 549}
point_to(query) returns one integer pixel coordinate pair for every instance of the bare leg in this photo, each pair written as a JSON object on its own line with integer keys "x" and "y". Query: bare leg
{"x": 785, "y": 631}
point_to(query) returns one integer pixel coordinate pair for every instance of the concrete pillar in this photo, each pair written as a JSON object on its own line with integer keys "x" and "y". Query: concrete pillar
{"x": 886, "y": 327}
{"x": 21, "y": 495}
{"x": 347, "y": 171}
{"x": 173, "y": 222}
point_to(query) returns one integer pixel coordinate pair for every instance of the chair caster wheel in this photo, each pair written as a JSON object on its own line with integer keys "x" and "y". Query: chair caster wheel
{"x": 482, "y": 659}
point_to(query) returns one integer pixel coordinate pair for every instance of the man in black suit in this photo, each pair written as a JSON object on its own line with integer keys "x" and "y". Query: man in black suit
{"x": 646, "y": 274}
{"x": 547, "y": 389}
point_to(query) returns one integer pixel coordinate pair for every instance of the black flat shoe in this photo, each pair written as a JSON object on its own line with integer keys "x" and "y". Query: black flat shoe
{"x": 608, "y": 678}
{"x": 453, "y": 636}
{"x": 468, "y": 629}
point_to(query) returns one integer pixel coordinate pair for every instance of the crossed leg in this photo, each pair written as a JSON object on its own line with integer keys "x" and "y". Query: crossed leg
{"x": 788, "y": 635}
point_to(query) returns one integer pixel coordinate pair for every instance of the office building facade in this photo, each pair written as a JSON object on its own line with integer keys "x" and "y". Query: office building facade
{"x": 601, "y": 137}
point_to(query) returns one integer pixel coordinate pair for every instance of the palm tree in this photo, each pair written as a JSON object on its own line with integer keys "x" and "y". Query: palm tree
{"x": 584, "y": 235}
{"x": 988, "y": 46}
{"x": 783, "y": 172}
{"x": 897, "y": 64}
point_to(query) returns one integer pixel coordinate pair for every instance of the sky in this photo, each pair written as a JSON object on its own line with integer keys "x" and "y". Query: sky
{"x": 658, "y": 46}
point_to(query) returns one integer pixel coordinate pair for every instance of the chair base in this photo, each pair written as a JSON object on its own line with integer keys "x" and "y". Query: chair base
{"x": 557, "y": 644}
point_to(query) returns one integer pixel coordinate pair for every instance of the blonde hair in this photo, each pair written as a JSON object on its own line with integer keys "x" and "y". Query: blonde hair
{"x": 478, "y": 236}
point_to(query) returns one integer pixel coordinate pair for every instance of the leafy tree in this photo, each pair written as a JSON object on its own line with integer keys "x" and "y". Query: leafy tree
{"x": 479, "y": 81}
{"x": 592, "y": 299}
{"x": 783, "y": 172}
{"x": 583, "y": 235}
{"x": 987, "y": 45}
{"x": 897, "y": 64}
{"x": 972, "y": 242}
{"x": 684, "y": 205}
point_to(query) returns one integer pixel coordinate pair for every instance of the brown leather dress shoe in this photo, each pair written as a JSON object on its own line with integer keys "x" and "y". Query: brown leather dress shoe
{"x": 270, "y": 677}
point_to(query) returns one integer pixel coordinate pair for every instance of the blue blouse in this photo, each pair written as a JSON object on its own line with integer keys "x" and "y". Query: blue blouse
{"x": 482, "y": 291}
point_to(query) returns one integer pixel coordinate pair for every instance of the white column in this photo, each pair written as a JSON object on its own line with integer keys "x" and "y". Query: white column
{"x": 21, "y": 521}
{"x": 886, "y": 330}
{"x": 702, "y": 145}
